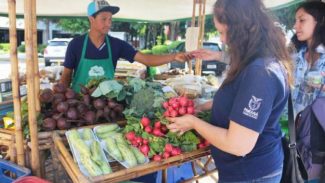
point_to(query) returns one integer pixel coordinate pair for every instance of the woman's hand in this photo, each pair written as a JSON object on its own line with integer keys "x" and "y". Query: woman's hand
{"x": 204, "y": 107}
{"x": 205, "y": 54}
{"x": 181, "y": 124}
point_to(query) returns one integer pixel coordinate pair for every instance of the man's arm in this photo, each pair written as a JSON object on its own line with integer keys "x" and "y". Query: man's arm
{"x": 66, "y": 77}
{"x": 156, "y": 60}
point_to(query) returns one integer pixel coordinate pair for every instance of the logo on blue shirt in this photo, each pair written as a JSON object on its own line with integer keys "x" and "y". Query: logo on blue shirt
{"x": 253, "y": 105}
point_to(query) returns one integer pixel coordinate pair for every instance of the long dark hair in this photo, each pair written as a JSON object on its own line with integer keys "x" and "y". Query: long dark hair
{"x": 317, "y": 10}
{"x": 251, "y": 34}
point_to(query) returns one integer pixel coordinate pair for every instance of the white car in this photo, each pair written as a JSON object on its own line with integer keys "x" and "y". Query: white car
{"x": 54, "y": 53}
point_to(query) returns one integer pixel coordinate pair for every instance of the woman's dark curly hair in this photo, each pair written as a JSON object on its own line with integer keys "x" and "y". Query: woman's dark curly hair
{"x": 317, "y": 10}
{"x": 251, "y": 34}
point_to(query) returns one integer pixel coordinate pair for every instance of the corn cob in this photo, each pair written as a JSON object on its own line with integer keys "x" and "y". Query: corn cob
{"x": 140, "y": 157}
{"x": 105, "y": 167}
{"x": 127, "y": 154}
{"x": 87, "y": 134}
{"x": 105, "y": 135}
{"x": 90, "y": 166}
{"x": 96, "y": 154}
{"x": 112, "y": 148}
{"x": 107, "y": 128}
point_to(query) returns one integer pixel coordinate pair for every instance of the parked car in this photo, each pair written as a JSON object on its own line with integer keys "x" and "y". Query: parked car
{"x": 54, "y": 53}
{"x": 208, "y": 67}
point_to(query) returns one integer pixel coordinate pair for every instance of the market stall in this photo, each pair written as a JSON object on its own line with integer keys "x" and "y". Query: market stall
{"x": 34, "y": 106}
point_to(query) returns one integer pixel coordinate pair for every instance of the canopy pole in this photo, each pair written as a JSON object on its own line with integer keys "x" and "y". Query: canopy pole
{"x": 19, "y": 139}
{"x": 35, "y": 57}
{"x": 32, "y": 121}
{"x": 189, "y": 63}
{"x": 201, "y": 21}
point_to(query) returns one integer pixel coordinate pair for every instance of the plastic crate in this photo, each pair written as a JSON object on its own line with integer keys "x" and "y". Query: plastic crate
{"x": 9, "y": 172}
{"x": 31, "y": 179}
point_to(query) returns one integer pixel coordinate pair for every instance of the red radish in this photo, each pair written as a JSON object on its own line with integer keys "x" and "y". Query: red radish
{"x": 175, "y": 105}
{"x": 183, "y": 101}
{"x": 148, "y": 129}
{"x": 145, "y": 141}
{"x": 170, "y": 108}
{"x": 134, "y": 143}
{"x": 138, "y": 140}
{"x": 174, "y": 152}
{"x": 157, "y": 158}
{"x": 166, "y": 114}
{"x": 171, "y": 101}
{"x": 157, "y": 124}
{"x": 206, "y": 143}
{"x": 168, "y": 148}
{"x": 165, "y": 105}
{"x": 157, "y": 132}
{"x": 179, "y": 151}
{"x": 190, "y": 110}
{"x": 201, "y": 145}
{"x": 145, "y": 121}
{"x": 130, "y": 135}
{"x": 166, "y": 155}
{"x": 190, "y": 103}
{"x": 144, "y": 149}
{"x": 173, "y": 113}
{"x": 163, "y": 129}
{"x": 182, "y": 111}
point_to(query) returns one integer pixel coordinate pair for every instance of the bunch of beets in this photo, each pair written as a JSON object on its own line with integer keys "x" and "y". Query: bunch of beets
{"x": 63, "y": 108}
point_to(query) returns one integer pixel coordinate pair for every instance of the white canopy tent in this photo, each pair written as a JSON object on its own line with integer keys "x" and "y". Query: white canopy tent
{"x": 141, "y": 10}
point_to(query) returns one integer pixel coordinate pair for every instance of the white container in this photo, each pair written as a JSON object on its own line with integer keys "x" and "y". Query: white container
{"x": 314, "y": 77}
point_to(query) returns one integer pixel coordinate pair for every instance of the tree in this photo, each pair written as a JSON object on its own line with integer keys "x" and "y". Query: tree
{"x": 74, "y": 25}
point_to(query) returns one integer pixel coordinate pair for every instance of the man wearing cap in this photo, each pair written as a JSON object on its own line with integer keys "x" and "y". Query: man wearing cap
{"x": 95, "y": 54}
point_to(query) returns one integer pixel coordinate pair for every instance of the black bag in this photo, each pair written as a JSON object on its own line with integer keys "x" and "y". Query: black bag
{"x": 293, "y": 169}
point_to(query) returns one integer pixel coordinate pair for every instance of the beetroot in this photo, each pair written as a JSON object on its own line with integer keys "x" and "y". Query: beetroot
{"x": 72, "y": 113}
{"x": 99, "y": 114}
{"x": 86, "y": 99}
{"x": 73, "y": 102}
{"x": 119, "y": 108}
{"x": 62, "y": 107}
{"x": 111, "y": 103}
{"x": 59, "y": 88}
{"x": 112, "y": 115}
{"x": 90, "y": 117}
{"x": 59, "y": 97}
{"x": 84, "y": 90}
{"x": 70, "y": 94}
{"x": 99, "y": 103}
{"x": 49, "y": 124}
{"x": 63, "y": 124}
{"x": 46, "y": 96}
{"x": 82, "y": 108}
{"x": 145, "y": 121}
{"x": 57, "y": 116}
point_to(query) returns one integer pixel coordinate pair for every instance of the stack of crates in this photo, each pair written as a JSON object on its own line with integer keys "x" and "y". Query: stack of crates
{"x": 5, "y": 90}
{"x": 9, "y": 172}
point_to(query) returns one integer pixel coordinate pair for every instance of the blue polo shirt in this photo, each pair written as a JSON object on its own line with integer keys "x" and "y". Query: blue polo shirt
{"x": 255, "y": 100}
{"x": 120, "y": 49}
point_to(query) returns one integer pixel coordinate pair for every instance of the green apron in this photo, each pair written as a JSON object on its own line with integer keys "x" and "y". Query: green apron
{"x": 92, "y": 68}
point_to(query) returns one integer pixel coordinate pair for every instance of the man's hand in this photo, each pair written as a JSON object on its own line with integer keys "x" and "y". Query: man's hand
{"x": 183, "y": 57}
{"x": 206, "y": 54}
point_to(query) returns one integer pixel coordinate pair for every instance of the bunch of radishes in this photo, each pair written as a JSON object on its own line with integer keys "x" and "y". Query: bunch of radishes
{"x": 141, "y": 143}
{"x": 157, "y": 129}
{"x": 178, "y": 106}
{"x": 169, "y": 151}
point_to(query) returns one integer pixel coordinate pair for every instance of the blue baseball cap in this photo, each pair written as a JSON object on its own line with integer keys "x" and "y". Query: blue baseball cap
{"x": 101, "y": 5}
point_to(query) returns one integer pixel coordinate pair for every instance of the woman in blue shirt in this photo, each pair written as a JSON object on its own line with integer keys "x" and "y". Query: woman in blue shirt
{"x": 244, "y": 131}
{"x": 310, "y": 34}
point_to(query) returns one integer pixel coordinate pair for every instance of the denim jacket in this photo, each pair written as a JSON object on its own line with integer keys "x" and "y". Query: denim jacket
{"x": 304, "y": 94}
